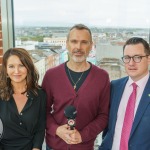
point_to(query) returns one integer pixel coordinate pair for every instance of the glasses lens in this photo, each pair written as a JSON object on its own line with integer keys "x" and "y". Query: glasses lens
{"x": 137, "y": 59}
{"x": 126, "y": 59}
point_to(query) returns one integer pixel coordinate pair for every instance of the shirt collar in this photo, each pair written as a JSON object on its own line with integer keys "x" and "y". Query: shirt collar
{"x": 141, "y": 82}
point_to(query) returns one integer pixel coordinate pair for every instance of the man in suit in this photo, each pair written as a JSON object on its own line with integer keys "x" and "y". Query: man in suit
{"x": 129, "y": 122}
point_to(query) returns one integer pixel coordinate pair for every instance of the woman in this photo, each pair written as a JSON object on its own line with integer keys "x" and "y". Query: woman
{"x": 22, "y": 102}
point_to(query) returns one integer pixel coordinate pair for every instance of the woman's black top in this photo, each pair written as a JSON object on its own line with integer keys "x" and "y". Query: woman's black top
{"x": 24, "y": 130}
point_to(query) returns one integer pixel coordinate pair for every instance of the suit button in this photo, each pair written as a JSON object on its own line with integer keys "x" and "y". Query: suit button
{"x": 130, "y": 145}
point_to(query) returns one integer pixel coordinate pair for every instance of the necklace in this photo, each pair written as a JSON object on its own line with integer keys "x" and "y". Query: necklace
{"x": 75, "y": 83}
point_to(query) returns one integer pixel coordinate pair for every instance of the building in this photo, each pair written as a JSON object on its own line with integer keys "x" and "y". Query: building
{"x": 43, "y": 45}
{"x": 114, "y": 67}
{"x": 57, "y": 41}
{"x": 107, "y": 50}
{"x": 40, "y": 66}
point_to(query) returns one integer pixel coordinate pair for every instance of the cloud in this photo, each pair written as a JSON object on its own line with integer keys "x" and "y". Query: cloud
{"x": 93, "y": 12}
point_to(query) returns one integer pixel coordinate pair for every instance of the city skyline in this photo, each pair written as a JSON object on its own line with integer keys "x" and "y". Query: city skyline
{"x": 116, "y": 13}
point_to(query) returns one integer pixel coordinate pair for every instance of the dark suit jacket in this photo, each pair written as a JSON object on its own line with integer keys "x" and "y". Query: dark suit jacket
{"x": 140, "y": 133}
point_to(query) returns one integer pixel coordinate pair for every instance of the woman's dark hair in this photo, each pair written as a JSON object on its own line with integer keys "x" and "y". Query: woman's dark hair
{"x": 6, "y": 88}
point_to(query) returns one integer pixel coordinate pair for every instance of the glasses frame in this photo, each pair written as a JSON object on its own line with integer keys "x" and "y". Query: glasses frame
{"x": 133, "y": 58}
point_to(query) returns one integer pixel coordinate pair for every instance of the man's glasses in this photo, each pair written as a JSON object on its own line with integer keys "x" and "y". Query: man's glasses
{"x": 136, "y": 58}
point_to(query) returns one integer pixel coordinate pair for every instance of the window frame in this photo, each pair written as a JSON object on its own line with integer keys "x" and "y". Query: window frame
{"x": 7, "y": 18}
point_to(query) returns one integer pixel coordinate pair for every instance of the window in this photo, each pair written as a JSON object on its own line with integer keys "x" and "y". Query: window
{"x": 43, "y": 25}
{"x": 7, "y": 23}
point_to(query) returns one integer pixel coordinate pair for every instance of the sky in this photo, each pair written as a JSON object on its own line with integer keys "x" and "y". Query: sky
{"x": 97, "y": 13}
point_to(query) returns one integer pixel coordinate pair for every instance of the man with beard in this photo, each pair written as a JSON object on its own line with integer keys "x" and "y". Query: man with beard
{"x": 80, "y": 84}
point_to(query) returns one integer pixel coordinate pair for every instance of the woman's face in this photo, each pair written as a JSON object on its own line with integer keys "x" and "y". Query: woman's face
{"x": 16, "y": 71}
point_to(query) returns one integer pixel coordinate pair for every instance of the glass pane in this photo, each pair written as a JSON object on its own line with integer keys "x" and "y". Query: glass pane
{"x": 41, "y": 27}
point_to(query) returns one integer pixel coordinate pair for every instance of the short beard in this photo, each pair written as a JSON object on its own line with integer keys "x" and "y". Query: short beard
{"x": 78, "y": 59}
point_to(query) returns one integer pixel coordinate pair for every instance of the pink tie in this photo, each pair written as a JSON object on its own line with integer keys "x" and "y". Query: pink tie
{"x": 128, "y": 119}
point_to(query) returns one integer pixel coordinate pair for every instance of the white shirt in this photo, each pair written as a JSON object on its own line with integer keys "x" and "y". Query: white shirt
{"x": 122, "y": 107}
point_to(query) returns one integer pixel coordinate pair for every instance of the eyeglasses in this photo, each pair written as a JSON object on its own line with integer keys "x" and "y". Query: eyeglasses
{"x": 136, "y": 58}
{"x": 82, "y": 43}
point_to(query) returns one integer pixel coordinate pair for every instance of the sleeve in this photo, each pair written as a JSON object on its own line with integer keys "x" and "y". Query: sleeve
{"x": 101, "y": 121}
{"x": 40, "y": 129}
{"x": 51, "y": 124}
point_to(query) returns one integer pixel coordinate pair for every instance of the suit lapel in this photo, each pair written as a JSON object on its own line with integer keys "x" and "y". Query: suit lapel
{"x": 117, "y": 98}
{"x": 144, "y": 102}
